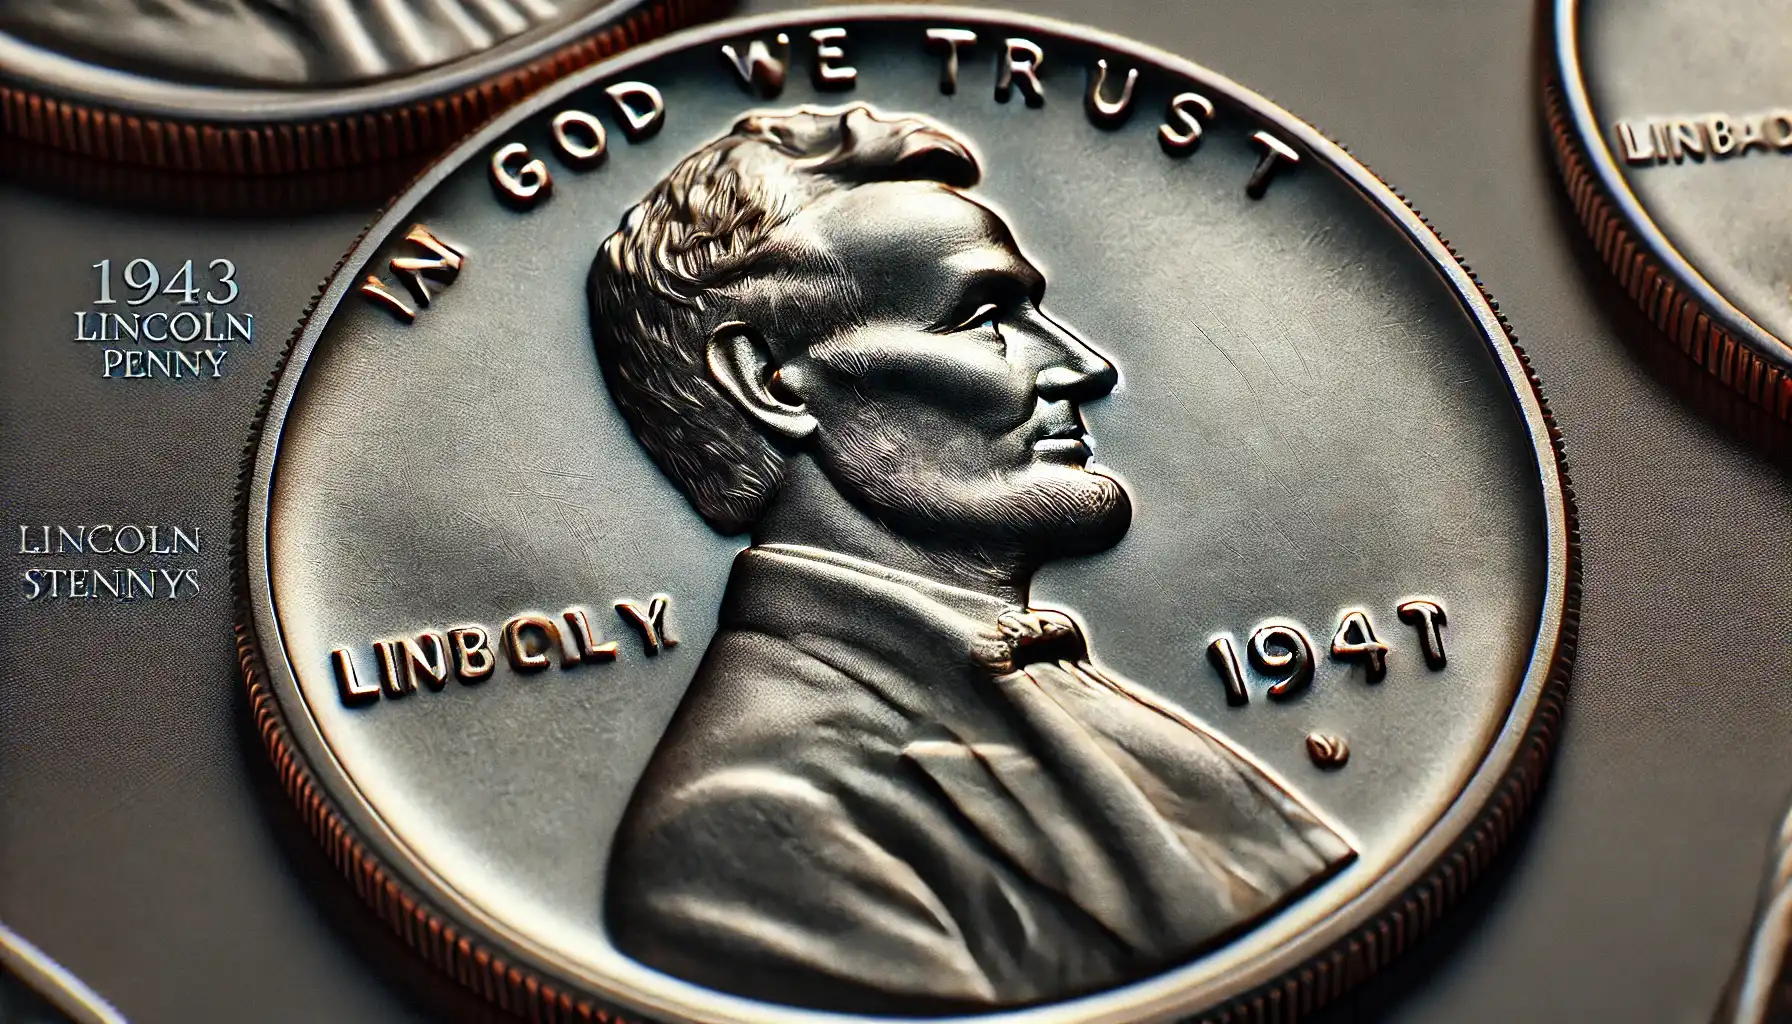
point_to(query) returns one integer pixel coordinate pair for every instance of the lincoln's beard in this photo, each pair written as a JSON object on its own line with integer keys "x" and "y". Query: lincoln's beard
{"x": 1004, "y": 525}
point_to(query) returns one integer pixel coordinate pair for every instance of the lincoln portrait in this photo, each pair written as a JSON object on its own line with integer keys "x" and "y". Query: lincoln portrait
{"x": 894, "y": 785}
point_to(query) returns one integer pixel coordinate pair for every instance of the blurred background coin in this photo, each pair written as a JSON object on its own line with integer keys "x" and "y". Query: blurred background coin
{"x": 280, "y": 87}
{"x": 1671, "y": 122}
{"x": 36, "y": 990}
{"x": 1760, "y": 989}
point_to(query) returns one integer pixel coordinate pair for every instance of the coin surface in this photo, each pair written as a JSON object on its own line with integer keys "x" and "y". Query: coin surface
{"x": 1670, "y": 121}
{"x": 275, "y": 87}
{"x": 906, "y": 511}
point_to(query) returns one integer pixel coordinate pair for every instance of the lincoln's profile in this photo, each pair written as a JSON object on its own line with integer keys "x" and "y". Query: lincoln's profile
{"x": 894, "y": 786}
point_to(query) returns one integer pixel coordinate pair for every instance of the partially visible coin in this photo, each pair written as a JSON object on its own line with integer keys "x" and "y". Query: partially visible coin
{"x": 273, "y": 87}
{"x": 1760, "y": 988}
{"x": 1672, "y": 126}
{"x": 906, "y": 511}
{"x": 36, "y": 990}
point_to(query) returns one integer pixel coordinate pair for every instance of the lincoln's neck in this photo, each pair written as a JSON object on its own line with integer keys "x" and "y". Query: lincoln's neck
{"x": 811, "y": 511}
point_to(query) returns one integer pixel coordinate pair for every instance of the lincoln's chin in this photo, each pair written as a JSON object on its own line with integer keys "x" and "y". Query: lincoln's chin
{"x": 1111, "y": 515}
{"x": 1078, "y": 513}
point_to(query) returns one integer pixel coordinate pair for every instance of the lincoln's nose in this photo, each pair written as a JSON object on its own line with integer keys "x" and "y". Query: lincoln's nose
{"x": 1076, "y": 372}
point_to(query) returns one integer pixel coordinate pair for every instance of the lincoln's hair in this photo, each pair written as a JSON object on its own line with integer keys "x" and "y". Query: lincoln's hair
{"x": 705, "y": 248}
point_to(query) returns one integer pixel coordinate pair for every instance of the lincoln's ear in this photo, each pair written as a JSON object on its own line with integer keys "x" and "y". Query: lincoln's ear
{"x": 741, "y": 365}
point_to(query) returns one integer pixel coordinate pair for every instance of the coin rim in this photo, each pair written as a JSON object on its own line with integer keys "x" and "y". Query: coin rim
{"x": 52, "y": 982}
{"x": 1729, "y": 343}
{"x": 1331, "y": 956}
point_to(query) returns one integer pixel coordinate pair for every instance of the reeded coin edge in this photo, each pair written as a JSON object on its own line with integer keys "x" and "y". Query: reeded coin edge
{"x": 482, "y": 964}
{"x": 350, "y": 138}
{"x": 180, "y": 193}
{"x": 1742, "y": 355}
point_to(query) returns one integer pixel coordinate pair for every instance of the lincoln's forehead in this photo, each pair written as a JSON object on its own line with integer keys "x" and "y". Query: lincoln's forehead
{"x": 892, "y": 217}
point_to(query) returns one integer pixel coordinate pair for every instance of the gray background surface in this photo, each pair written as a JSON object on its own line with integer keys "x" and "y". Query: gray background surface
{"x": 144, "y": 844}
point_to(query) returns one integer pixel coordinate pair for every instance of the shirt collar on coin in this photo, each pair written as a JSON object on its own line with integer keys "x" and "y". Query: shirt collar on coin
{"x": 934, "y": 620}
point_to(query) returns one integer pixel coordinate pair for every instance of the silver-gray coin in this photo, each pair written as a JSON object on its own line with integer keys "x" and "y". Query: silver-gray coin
{"x": 259, "y": 87}
{"x": 1671, "y": 124}
{"x": 275, "y": 43}
{"x": 906, "y": 511}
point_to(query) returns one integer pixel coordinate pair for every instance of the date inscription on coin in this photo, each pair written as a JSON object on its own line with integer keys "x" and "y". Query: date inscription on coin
{"x": 1284, "y": 652}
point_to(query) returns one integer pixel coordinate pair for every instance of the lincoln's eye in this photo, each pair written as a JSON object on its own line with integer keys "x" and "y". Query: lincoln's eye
{"x": 986, "y": 322}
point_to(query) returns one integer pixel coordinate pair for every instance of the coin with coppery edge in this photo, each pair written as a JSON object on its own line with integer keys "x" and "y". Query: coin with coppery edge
{"x": 281, "y": 89}
{"x": 906, "y": 511}
{"x": 1671, "y": 122}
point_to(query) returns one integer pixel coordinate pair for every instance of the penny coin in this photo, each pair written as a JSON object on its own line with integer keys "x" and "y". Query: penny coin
{"x": 1672, "y": 142}
{"x": 262, "y": 87}
{"x": 906, "y": 511}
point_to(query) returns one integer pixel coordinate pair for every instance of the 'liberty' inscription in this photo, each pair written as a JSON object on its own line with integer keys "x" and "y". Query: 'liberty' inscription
{"x": 531, "y": 642}
{"x": 1664, "y": 140}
